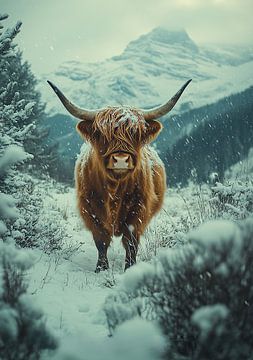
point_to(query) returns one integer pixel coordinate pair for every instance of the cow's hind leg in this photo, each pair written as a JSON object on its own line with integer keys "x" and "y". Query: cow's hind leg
{"x": 102, "y": 242}
{"x": 130, "y": 240}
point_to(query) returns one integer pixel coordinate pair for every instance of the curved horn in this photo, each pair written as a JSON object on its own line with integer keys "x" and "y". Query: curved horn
{"x": 159, "y": 111}
{"x": 73, "y": 109}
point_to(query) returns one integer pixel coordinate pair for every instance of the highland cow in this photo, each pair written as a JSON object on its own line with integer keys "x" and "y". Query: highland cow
{"x": 120, "y": 179}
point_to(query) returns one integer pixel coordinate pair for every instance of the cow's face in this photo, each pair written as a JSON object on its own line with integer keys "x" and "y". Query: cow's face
{"x": 117, "y": 136}
{"x": 118, "y": 133}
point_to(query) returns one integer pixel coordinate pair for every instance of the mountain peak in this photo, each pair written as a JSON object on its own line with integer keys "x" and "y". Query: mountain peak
{"x": 165, "y": 36}
{"x": 169, "y": 36}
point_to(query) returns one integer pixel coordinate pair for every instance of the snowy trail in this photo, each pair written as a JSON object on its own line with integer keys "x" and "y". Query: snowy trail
{"x": 64, "y": 284}
{"x": 70, "y": 296}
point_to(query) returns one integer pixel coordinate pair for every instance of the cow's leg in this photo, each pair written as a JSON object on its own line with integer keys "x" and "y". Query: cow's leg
{"x": 102, "y": 242}
{"x": 130, "y": 240}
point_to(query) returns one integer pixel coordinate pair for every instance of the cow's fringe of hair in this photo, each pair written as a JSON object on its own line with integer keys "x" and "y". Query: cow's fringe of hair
{"x": 120, "y": 123}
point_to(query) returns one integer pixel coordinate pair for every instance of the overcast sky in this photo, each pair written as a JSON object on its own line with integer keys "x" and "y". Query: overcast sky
{"x": 54, "y": 31}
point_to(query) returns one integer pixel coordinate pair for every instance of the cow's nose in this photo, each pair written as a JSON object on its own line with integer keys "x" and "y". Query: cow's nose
{"x": 121, "y": 161}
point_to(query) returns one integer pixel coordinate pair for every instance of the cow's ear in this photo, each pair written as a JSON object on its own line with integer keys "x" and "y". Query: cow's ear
{"x": 153, "y": 129}
{"x": 85, "y": 129}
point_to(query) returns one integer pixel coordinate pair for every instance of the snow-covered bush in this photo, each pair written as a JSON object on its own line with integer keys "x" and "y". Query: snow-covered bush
{"x": 161, "y": 234}
{"x": 23, "y": 333}
{"x": 233, "y": 199}
{"x": 36, "y": 226}
{"x": 22, "y": 213}
{"x": 8, "y": 211}
{"x": 187, "y": 208}
{"x": 201, "y": 293}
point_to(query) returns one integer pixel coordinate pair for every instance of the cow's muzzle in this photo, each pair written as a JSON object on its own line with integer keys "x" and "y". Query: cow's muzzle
{"x": 120, "y": 161}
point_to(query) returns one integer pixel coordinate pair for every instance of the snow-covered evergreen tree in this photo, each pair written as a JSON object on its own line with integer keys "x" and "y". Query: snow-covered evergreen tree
{"x": 11, "y": 135}
{"x": 20, "y": 140}
{"x": 22, "y": 111}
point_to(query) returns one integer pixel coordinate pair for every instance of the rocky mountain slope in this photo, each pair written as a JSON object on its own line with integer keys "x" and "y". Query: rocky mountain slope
{"x": 150, "y": 70}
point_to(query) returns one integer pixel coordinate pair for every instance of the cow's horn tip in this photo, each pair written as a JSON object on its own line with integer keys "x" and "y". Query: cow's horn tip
{"x": 56, "y": 90}
{"x": 51, "y": 84}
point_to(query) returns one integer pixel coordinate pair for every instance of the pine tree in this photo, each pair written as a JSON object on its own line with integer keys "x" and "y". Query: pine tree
{"x": 11, "y": 146}
{"x": 20, "y": 196}
{"x": 21, "y": 106}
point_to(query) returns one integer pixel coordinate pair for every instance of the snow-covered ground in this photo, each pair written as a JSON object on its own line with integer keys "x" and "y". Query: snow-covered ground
{"x": 64, "y": 283}
{"x": 72, "y": 297}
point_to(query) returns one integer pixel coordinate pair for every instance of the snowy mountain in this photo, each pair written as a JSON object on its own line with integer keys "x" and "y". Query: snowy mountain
{"x": 150, "y": 70}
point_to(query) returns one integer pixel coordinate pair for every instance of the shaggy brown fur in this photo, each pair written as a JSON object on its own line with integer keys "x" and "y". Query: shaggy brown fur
{"x": 119, "y": 203}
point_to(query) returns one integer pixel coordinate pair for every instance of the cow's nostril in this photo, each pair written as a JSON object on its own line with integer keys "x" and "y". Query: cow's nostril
{"x": 121, "y": 158}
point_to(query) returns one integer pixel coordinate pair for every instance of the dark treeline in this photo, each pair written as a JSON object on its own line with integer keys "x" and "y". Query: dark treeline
{"x": 63, "y": 133}
{"x": 177, "y": 126}
{"x": 216, "y": 144}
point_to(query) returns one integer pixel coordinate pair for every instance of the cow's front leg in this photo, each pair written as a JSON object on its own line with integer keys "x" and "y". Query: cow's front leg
{"x": 102, "y": 242}
{"x": 130, "y": 240}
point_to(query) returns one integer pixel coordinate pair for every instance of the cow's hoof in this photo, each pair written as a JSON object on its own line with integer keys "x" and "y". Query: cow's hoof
{"x": 128, "y": 265}
{"x": 99, "y": 268}
{"x": 102, "y": 266}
